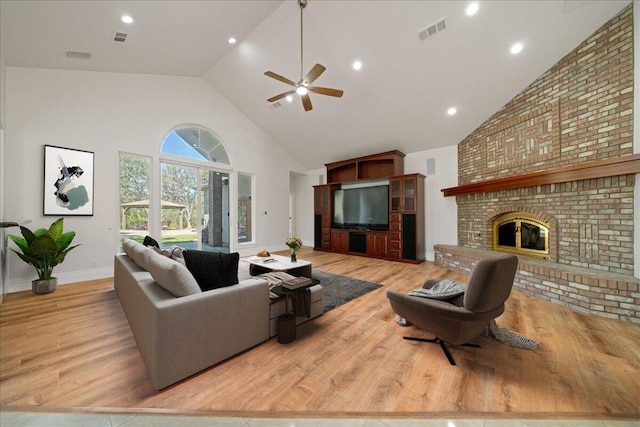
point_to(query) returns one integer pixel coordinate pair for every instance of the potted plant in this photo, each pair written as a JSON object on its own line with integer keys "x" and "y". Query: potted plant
{"x": 294, "y": 243}
{"x": 44, "y": 249}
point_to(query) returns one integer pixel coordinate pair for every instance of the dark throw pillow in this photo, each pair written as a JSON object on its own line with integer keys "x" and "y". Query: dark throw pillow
{"x": 150, "y": 241}
{"x": 212, "y": 270}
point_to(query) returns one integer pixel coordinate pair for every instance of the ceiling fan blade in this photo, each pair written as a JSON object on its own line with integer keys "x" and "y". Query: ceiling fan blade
{"x": 306, "y": 102}
{"x": 282, "y": 95}
{"x": 279, "y": 77}
{"x": 313, "y": 74}
{"x": 326, "y": 91}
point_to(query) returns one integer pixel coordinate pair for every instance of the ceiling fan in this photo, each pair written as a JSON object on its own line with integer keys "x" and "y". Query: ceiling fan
{"x": 302, "y": 87}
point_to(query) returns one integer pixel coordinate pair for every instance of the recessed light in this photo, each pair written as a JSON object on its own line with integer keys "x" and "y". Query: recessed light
{"x": 452, "y": 111}
{"x": 357, "y": 65}
{"x": 472, "y": 9}
{"x": 126, "y": 19}
{"x": 289, "y": 98}
{"x": 232, "y": 40}
{"x": 516, "y": 48}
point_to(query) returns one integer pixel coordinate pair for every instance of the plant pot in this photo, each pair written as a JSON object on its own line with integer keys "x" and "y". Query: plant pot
{"x": 44, "y": 286}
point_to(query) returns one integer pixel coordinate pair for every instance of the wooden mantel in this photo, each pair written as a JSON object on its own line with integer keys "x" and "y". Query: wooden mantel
{"x": 598, "y": 169}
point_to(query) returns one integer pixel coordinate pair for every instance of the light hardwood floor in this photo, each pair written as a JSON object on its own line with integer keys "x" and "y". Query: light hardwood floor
{"x": 73, "y": 350}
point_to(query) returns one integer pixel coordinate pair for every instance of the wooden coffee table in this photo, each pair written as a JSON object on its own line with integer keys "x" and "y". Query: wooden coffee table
{"x": 259, "y": 265}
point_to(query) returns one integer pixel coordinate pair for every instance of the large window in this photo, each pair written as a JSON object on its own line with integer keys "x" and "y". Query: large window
{"x": 134, "y": 196}
{"x": 195, "y": 191}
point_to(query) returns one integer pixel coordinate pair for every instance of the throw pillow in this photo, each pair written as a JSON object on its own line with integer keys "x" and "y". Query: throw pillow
{"x": 127, "y": 246}
{"x": 176, "y": 254}
{"x": 150, "y": 241}
{"x": 172, "y": 276}
{"x": 173, "y": 252}
{"x": 165, "y": 252}
{"x": 212, "y": 270}
{"x": 141, "y": 255}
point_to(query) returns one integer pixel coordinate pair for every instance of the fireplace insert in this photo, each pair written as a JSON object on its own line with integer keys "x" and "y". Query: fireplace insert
{"x": 521, "y": 233}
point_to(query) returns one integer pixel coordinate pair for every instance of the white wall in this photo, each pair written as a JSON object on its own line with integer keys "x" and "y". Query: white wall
{"x": 441, "y": 213}
{"x": 3, "y": 254}
{"x": 110, "y": 112}
{"x": 303, "y": 210}
{"x": 3, "y": 81}
{"x": 306, "y": 189}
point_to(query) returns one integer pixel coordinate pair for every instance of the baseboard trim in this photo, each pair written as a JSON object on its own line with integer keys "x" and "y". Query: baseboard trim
{"x": 24, "y": 284}
{"x": 430, "y": 256}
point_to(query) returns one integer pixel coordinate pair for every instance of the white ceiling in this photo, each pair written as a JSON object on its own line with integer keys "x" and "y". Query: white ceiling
{"x": 397, "y": 101}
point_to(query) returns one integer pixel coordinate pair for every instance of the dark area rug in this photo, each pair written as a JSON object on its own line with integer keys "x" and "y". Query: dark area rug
{"x": 338, "y": 290}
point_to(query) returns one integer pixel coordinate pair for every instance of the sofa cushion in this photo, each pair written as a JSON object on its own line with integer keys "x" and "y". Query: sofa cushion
{"x": 212, "y": 270}
{"x": 172, "y": 276}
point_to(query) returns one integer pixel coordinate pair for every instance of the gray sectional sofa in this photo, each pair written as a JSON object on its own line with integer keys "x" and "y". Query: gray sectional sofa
{"x": 181, "y": 330}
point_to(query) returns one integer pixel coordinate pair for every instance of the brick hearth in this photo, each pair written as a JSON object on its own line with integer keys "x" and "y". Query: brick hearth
{"x": 616, "y": 296}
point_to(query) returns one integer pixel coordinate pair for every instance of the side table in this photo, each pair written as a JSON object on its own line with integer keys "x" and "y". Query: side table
{"x": 287, "y": 321}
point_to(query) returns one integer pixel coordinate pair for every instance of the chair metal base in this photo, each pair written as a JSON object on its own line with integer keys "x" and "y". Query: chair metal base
{"x": 444, "y": 348}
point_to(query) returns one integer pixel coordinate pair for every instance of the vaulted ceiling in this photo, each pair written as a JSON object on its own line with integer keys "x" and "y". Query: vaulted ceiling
{"x": 397, "y": 100}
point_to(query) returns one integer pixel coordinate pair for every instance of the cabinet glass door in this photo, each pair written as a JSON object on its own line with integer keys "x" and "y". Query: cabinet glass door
{"x": 395, "y": 194}
{"x": 409, "y": 194}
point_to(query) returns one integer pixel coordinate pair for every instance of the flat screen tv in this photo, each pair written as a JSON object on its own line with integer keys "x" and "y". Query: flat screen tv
{"x": 364, "y": 207}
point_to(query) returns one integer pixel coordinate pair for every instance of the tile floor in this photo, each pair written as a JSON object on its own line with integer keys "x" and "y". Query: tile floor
{"x": 41, "y": 419}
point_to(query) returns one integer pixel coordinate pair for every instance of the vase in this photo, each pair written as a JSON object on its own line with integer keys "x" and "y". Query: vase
{"x": 44, "y": 286}
{"x": 294, "y": 258}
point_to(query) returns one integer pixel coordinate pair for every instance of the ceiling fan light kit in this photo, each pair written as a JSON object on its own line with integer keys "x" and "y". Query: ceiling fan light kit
{"x": 302, "y": 87}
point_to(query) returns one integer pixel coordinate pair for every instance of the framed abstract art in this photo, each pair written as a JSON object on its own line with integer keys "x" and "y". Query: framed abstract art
{"x": 68, "y": 181}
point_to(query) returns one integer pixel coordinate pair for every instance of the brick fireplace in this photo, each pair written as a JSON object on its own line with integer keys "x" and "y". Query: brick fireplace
{"x": 580, "y": 112}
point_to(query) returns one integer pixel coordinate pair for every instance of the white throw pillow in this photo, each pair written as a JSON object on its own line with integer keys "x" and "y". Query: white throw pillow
{"x": 172, "y": 276}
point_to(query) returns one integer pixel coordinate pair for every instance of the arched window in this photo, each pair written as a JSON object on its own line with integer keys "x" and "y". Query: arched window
{"x": 197, "y": 144}
{"x": 195, "y": 200}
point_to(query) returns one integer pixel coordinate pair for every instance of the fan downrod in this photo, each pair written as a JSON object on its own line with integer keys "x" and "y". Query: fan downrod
{"x": 302, "y": 87}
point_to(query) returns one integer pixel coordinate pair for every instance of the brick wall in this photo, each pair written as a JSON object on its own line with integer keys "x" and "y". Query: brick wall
{"x": 578, "y": 111}
{"x": 591, "y": 221}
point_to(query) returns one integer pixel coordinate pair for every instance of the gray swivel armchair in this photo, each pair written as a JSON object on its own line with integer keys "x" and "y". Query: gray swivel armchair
{"x": 488, "y": 288}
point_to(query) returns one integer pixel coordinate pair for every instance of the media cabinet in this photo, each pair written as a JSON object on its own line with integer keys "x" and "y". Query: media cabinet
{"x": 403, "y": 239}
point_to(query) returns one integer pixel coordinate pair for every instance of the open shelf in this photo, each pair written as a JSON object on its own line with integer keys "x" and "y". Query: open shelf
{"x": 376, "y": 166}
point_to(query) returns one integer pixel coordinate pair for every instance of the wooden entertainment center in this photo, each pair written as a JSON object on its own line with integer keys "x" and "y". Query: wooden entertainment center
{"x": 401, "y": 238}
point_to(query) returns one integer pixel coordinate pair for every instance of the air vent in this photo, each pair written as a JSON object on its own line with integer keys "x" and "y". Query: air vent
{"x": 78, "y": 55}
{"x": 433, "y": 30}
{"x": 120, "y": 37}
{"x": 276, "y": 104}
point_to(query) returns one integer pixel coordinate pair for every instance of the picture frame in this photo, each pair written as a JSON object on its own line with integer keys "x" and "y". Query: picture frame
{"x": 68, "y": 181}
